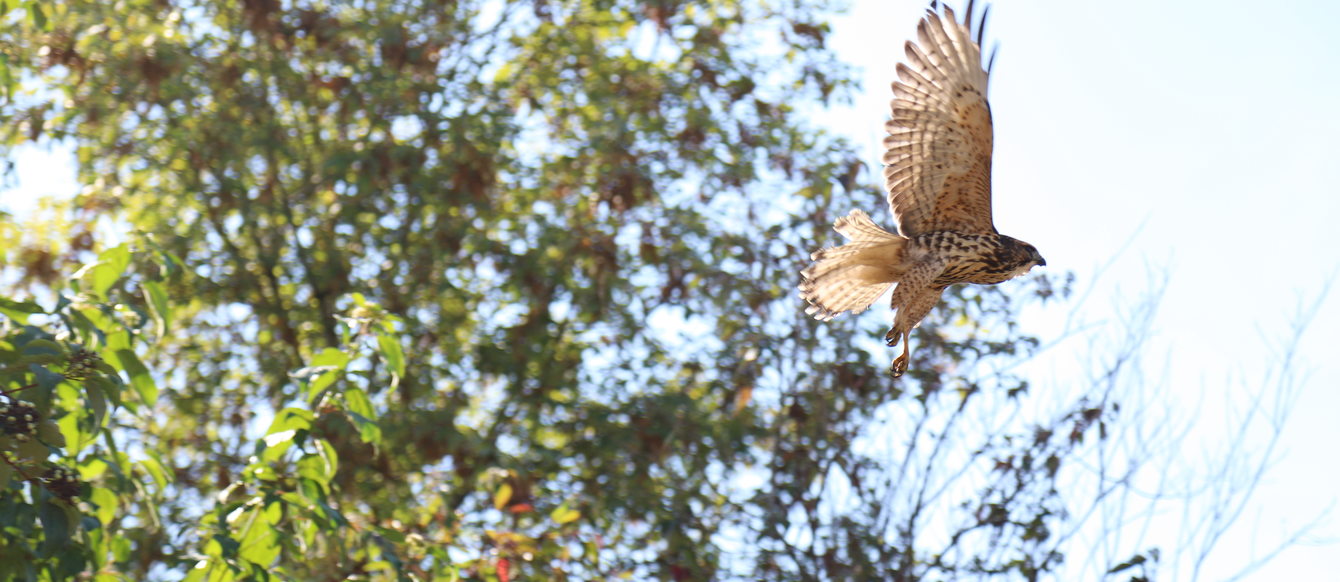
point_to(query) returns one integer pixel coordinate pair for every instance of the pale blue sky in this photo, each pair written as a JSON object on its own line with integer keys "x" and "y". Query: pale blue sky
{"x": 1213, "y": 125}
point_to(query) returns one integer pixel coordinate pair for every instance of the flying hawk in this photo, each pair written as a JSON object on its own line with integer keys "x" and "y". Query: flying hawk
{"x": 937, "y": 170}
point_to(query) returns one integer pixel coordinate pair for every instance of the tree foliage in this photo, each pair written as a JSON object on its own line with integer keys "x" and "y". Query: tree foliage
{"x": 65, "y": 370}
{"x": 484, "y": 289}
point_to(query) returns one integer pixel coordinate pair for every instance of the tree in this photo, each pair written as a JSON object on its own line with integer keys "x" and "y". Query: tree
{"x": 497, "y": 290}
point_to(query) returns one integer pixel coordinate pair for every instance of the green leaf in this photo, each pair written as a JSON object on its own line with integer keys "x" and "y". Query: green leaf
{"x": 95, "y": 390}
{"x": 32, "y": 450}
{"x": 312, "y": 466}
{"x": 72, "y": 433}
{"x": 50, "y": 434}
{"x": 105, "y": 504}
{"x": 38, "y": 15}
{"x": 154, "y": 467}
{"x": 42, "y": 347}
{"x": 102, "y": 274}
{"x": 313, "y": 490}
{"x": 19, "y": 310}
{"x": 55, "y": 525}
{"x": 277, "y": 443}
{"x": 98, "y": 389}
{"x": 259, "y": 539}
{"x": 363, "y": 414}
{"x": 322, "y": 382}
{"x": 357, "y": 401}
{"x": 328, "y": 367}
{"x": 140, "y": 379}
{"x": 159, "y": 306}
{"x": 389, "y": 347}
{"x": 275, "y": 439}
{"x": 330, "y": 357}
{"x": 368, "y": 430}
{"x": 394, "y": 536}
{"x": 291, "y": 419}
{"x": 6, "y": 78}
{"x": 329, "y": 456}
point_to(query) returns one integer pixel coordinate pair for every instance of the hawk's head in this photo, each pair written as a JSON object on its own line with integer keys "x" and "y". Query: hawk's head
{"x": 1033, "y": 255}
{"x": 1022, "y": 256}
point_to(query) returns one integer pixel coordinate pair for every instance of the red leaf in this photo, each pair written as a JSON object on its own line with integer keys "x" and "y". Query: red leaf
{"x": 521, "y": 508}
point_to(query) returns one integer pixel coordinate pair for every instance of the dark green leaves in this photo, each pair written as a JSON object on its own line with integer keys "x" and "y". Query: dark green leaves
{"x": 68, "y": 391}
{"x": 19, "y": 311}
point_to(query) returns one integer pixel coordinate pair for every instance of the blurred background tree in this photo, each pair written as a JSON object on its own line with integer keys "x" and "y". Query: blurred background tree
{"x": 504, "y": 290}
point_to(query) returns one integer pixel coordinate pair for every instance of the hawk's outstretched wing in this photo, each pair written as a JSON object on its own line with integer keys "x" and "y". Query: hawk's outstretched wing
{"x": 938, "y": 154}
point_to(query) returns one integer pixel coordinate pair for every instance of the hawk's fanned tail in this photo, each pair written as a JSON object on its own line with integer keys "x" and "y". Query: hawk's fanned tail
{"x": 854, "y": 275}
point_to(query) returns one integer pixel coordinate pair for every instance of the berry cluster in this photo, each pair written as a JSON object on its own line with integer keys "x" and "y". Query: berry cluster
{"x": 82, "y": 363}
{"x": 62, "y": 481}
{"x": 18, "y": 417}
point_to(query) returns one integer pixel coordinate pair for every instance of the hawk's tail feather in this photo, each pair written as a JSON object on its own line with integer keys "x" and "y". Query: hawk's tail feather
{"x": 854, "y": 275}
{"x": 858, "y": 227}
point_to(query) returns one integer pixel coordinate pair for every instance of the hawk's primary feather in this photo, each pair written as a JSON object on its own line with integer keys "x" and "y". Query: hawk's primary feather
{"x": 938, "y": 154}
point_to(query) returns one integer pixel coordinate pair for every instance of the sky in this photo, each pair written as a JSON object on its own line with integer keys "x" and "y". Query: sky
{"x": 1191, "y": 139}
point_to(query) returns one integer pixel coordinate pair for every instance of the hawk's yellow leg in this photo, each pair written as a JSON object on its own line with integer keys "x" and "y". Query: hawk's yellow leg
{"x": 899, "y": 363}
{"x": 913, "y": 298}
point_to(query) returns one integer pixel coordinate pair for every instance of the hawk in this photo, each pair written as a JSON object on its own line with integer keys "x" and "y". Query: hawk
{"x": 937, "y": 171}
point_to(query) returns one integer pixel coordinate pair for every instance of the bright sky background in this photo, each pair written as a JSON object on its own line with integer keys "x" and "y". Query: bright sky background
{"x": 1204, "y": 133}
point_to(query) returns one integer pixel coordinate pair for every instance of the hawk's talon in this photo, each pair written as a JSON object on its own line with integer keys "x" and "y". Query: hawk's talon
{"x": 899, "y": 366}
{"x": 900, "y": 363}
{"x": 891, "y": 338}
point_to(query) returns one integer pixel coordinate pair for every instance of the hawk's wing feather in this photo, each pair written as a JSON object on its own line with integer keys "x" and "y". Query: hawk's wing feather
{"x": 938, "y": 153}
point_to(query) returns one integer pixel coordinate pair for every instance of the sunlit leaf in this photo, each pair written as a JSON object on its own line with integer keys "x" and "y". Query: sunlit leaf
{"x": 564, "y": 514}
{"x": 330, "y": 357}
{"x": 102, "y": 274}
{"x": 291, "y": 419}
{"x": 159, "y": 305}
{"x": 19, "y": 311}
{"x": 140, "y": 378}
{"x": 389, "y": 347}
{"x": 105, "y": 502}
{"x": 329, "y": 457}
{"x": 502, "y": 496}
{"x": 359, "y": 403}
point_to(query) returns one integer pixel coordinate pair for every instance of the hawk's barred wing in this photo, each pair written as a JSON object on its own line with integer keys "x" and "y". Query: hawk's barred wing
{"x": 938, "y": 154}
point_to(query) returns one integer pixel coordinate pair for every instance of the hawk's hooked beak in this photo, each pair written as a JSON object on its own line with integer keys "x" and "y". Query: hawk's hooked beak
{"x": 1042, "y": 262}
